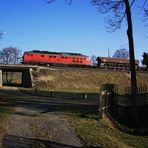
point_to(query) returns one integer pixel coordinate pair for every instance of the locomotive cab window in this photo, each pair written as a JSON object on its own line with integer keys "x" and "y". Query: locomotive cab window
{"x": 54, "y": 56}
{"x": 42, "y": 55}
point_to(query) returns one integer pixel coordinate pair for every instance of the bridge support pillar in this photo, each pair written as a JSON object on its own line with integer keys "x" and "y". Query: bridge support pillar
{"x": 26, "y": 78}
{"x": 1, "y": 78}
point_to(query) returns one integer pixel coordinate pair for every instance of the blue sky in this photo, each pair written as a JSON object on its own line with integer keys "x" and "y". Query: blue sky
{"x": 34, "y": 24}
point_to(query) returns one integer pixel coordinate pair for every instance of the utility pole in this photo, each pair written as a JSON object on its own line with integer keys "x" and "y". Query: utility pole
{"x": 108, "y": 53}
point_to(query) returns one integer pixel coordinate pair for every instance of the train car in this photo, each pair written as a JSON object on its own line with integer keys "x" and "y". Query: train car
{"x": 46, "y": 58}
{"x": 115, "y": 63}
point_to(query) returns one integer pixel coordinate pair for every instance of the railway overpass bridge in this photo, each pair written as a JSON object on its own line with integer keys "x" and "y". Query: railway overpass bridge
{"x": 26, "y": 79}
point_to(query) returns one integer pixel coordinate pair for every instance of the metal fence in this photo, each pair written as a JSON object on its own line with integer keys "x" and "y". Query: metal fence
{"x": 120, "y": 107}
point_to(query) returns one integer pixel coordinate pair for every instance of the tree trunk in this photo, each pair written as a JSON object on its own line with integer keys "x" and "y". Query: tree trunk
{"x": 132, "y": 60}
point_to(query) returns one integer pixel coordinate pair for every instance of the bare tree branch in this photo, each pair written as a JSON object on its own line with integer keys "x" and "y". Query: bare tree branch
{"x": 144, "y": 8}
{"x": 69, "y": 2}
{"x": 1, "y": 34}
{"x": 115, "y": 8}
{"x": 146, "y": 15}
{"x": 49, "y": 1}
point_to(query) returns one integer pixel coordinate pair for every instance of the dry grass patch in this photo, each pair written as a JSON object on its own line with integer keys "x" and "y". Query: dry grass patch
{"x": 84, "y": 79}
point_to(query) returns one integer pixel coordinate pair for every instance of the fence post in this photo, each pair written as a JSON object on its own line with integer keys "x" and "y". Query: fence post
{"x": 35, "y": 91}
{"x": 51, "y": 94}
{"x": 85, "y": 96}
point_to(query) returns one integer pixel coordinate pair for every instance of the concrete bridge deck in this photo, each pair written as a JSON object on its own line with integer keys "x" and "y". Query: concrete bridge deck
{"x": 16, "y": 67}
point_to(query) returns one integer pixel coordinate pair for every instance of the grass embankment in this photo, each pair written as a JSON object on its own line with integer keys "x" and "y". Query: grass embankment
{"x": 84, "y": 79}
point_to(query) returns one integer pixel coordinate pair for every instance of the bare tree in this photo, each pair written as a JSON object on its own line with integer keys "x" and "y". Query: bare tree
{"x": 10, "y": 55}
{"x": 93, "y": 59}
{"x": 121, "y": 53}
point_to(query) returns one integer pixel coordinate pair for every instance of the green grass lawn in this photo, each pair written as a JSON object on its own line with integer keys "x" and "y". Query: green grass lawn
{"x": 101, "y": 133}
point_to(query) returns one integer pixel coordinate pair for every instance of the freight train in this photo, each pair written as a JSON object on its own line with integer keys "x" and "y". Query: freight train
{"x": 46, "y": 58}
{"x": 115, "y": 63}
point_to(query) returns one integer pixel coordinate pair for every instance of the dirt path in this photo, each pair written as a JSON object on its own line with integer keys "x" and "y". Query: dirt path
{"x": 36, "y": 123}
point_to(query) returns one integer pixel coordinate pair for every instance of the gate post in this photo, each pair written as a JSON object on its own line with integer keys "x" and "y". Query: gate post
{"x": 100, "y": 106}
{"x": 107, "y": 98}
{"x": 103, "y": 102}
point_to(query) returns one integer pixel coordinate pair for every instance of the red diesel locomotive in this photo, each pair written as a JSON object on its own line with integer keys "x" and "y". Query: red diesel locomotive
{"x": 46, "y": 58}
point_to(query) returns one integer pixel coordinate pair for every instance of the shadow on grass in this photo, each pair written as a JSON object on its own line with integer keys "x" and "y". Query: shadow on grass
{"x": 12, "y": 84}
{"x": 66, "y": 102}
{"x": 127, "y": 124}
{"x": 6, "y": 107}
{"x": 62, "y": 94}
{"x": 11, "y": 141}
